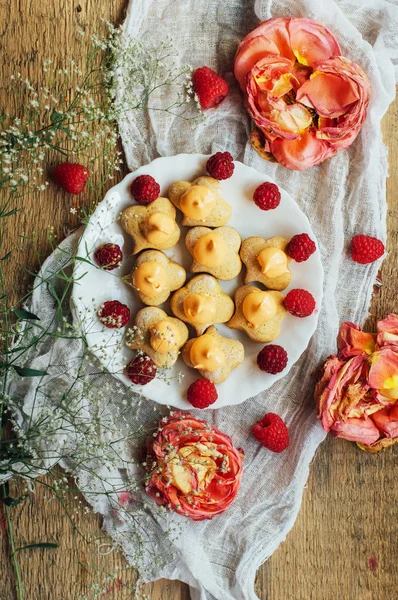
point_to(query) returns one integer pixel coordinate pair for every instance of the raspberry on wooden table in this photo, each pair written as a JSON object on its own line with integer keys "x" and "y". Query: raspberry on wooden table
{"x": 272, "y": 432}
{"x": 72, "y": 177}
{"x": 299, "y": 303}
{"x": 141, "y": 370}
{"x": 210, "y": 88}
{"x": 113, "y": 314}
{"x": 300, "y": 247}
{"x": 267, "y": 196}
{"x": 202, "y": 393}
{"x": 220, "y": 165}
{"x": 108, "y": 256}
{"x": 366, "y": 249}
{"x": 145, "y": 189}
{"x": 272, "y": 359}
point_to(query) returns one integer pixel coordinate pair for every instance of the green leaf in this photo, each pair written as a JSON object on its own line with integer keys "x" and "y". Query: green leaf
{"x": 11, "y": 212}
{"x": 39, "y": 545}
{"x": 27, "y": 372}
{"x": 66, "y": 132}
{"x": 25, "y": 315}
{"x": 55, "y": 116}
{"x": 84, "y": 260}
{"x": 6, "y": 256}
{"x": 11, "y": 502}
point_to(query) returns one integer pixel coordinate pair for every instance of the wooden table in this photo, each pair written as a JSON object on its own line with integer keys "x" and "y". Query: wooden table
{"x": 344, "y": 543}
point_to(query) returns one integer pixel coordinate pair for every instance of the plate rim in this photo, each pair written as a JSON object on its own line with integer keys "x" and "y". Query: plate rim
{"x": 74, "y": 300}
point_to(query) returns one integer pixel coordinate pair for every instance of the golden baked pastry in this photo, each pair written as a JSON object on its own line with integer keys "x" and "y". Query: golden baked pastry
{"x": 266, "y": 261}
{"x": 201, "y": 202}
{"x": 157, "y": 335}
{"x": 201, "y": 303}
{"x": 259, "y": 313}
{"x": 154, "y": 277}
{"x": 215, "y": 251}
{"x": 213, "y": 355}
{"x": 152, "y": 226}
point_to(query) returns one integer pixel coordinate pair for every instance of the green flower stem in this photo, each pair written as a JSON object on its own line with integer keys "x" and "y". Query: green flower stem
{"x": 13, "y": 552}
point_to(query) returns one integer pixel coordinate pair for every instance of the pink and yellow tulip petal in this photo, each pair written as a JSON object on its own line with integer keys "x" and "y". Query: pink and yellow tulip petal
{"x": 352, "y": 341}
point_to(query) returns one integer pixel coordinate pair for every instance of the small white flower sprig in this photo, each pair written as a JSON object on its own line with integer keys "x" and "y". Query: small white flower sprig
{"x": 75, "y": 418}
{"x": 73, "y": 113}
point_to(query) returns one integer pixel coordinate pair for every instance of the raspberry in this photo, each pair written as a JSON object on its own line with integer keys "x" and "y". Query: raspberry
{"x": 272, "y": 432}
{"x": 272, "y": 359}
{"x": 210, "y": 88}
{"x": 366, "y": 249}
{"x": 145, "y": 189}
{"x": 113, "y": 314}
{"x": 108, "y": 256}
{"x": 141, "y": 370}
{"x": 220, "y": 165}
{"x": 267, "y": 196}
{"x": 71, "y": 177}
{"x": 201, "y": 393}
{"x": 300, "y": 303}
{"x": 300, "y": 247}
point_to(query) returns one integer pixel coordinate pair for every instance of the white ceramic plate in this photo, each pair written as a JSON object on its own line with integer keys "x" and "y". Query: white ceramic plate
{"x": 94, "y": 286}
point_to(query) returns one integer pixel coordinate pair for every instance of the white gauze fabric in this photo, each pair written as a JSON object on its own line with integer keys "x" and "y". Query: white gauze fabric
{"x": 343, "y": 196}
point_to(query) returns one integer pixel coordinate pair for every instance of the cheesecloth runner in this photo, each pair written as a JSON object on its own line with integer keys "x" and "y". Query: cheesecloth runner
{"x": 342, "y": 197}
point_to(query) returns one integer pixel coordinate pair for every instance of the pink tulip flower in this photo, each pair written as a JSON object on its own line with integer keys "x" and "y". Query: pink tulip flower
{"x": 195, "y": 468}
{"x": 357, "y": 394}
{"x": 308, "y": 101}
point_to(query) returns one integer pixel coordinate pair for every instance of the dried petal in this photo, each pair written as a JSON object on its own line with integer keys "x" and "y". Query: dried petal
{"x": 352, "y": 341}
{"x": 388, "y": 331}
{"x": 383, "y": 373}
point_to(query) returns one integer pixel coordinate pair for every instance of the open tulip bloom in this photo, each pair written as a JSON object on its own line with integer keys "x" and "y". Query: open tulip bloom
{"x": 195, "y": 469}
{"x": 307, "y": 101}
{"x": 357, "y": 396}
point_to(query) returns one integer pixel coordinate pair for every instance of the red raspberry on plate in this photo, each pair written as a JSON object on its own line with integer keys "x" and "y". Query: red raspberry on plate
{"x": 366, "y": 249}
{"x": 72, "y": 177}
{"x": 108, "y": 256}
{"x": 299, "y": 303}
{"x": 272, "y": 432}
{"x": 272, "y": 359}
{"x": 267, "y": 196}
{"x": 141, "y": 370}
{"x": 210, "y": 87}
{"x": 201, "y": 393}
{"x": 113, "y": 314}
{"x": 300, "y": 247}
{"x": 145, "y": 189}
{"x": 220, "y": 165}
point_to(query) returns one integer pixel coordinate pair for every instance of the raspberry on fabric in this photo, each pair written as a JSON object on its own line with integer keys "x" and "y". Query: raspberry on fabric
{"x": 366, "y": 249}
{"x": 220, "y": 165}
{"x": 72, "y": 177}
{"x": 210, "y": 88}
{"x": 141, "y": 370}
{"x": 272, "y": 432}
{"x": 113, "y": 314}
{"x": 108, "y": 256}
{"x": 267, "y": 196}
{"x": 145, "y": 189}
{"x": 299, "y": 303}
{"x": 201, "y": 393}
{"x": 300, "y": 247}
{"x": 272, "y": 359}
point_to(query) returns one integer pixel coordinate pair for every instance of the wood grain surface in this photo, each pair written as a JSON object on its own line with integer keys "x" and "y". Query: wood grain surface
{"x": 344, "y": 543}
